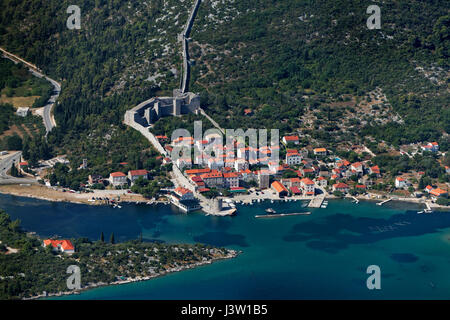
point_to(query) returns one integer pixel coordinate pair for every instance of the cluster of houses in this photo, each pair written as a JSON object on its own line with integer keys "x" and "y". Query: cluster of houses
{"x": 119, "y": 178}
{"x": 241, "y": 166}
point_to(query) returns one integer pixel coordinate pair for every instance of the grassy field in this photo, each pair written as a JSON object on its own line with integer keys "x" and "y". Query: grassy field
{"x": 18, "y": 102}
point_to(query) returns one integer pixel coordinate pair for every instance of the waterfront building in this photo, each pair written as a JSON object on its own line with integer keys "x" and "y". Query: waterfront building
{"x": 117, "y": 178}
{"x": 279, "y": 189}
{"x": 308, "y": 185}
{"x": 133, "y": 175}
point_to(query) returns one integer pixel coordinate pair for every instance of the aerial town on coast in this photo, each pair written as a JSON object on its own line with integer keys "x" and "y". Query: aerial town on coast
{"x": 296, "y": 145}
{"x": 213, "y": 176}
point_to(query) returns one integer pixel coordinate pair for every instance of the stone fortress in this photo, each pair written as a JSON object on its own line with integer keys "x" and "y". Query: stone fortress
{"x": 148, "y": 112}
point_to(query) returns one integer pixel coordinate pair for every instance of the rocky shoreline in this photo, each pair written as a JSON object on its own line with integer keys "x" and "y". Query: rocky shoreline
{"x": 231, "y": 254}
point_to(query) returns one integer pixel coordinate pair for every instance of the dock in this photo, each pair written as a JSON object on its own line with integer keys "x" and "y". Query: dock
{"x": 383, "y": 202}
{"x": 356, "y": 200}
{"x": 282, "y": 215}
{"x": 316, "y": 202}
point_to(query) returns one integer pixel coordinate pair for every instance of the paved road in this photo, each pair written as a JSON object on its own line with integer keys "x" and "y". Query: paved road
{"x": 49, "y": 121}
{"x": 5, "y": 165}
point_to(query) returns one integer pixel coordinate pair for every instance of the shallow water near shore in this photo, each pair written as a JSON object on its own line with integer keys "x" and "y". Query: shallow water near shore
{"x": 319, "y": 256}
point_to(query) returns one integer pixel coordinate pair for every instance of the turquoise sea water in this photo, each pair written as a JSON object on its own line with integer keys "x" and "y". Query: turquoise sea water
{"x": 321, "y": 256}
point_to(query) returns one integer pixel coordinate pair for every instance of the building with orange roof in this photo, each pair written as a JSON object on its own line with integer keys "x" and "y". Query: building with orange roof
{"x": 118, "y": 178}
{"x": 231, "y": 180}
{"x": 342, "y": 187}
{"x": 322, "y": 181}
{"x": 184, "y": 194}
{"x": 64, "y": 246}
{"x": 293, "y": 157}
{"x": 291, "y": 182}
{"x": 279, "y": 189}
{"x": 375, "y": 170}
{"x": 133, "y": 175}
{"x": 308, "y": 185}
{"x": 213, "y": 178}
{"x": 197, "y": 172}
{"x": 291, "y": 139}
{"x": 438, "y": 193}
{"x": 401, "y": 183}
{"x": 320, "y": 151}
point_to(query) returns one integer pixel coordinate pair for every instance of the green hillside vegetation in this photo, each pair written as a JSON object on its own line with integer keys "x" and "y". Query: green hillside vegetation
{"x": 34, "y": 269}
{"x": 283, "y": 59}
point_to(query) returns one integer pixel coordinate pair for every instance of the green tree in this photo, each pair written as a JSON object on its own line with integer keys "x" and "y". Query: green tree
{"x": 14, "y": 143}
{"x": 111, "y": 239}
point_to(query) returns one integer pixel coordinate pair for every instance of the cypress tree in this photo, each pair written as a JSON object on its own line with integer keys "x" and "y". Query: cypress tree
{"x": 102, "y": 237}
{"x": 112, "y": 238}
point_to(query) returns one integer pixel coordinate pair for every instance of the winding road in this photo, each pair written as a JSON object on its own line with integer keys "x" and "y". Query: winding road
{"x": 49, "y": 120}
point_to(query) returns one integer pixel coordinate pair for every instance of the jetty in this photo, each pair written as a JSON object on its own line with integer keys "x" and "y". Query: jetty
{"x": 355, "y": 200}
{"x": 383, "y": 202}
{"x": 316, "y": 202}
{"x": 282, "y": 215}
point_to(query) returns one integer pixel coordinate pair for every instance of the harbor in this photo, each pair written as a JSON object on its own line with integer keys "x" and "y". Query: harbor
{"x": 290, "y": 241}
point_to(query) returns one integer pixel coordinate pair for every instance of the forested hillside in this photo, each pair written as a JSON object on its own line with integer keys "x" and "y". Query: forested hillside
{"x": 295, "y": 63}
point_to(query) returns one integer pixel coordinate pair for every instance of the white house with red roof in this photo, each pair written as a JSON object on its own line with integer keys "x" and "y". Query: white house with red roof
{"x": 342, "y": 187}
{"x": 320, "y": 151}
{"x": 291, "y": 139}
{"x": 64, "y": 246}
{"x": 133, "y": 175}
{"x": 375, "y": 170}
{"x": 184, "y": 194}
{"x": 357, "y": 167}
{"x": 117, "y": 178}
{"x": 308, "y": 185}
{"x": 293, "y": 157}
{"x": 401, "y": 183}
{"x": 322, "y": 181}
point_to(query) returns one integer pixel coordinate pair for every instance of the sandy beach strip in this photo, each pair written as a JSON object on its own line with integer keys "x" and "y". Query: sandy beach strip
{"x": 49, "y": 194}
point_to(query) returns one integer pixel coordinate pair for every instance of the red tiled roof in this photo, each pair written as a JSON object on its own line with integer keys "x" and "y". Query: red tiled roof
{"x": 295, "y": 190}
{"x": 340, "y": 185}
{"x": 230, "y": 175}
{"x": 118, "y": 174}
{"x": 197, "y": 171}
{"x": 278, "y": 186}
{"x": 291, "y": 138}
{"x": 65, "y": 244}
{"x": 138, "y": 172}
{"x": 307, "y": 181}
{"x": 182, "y": 191}
{"x": 438, "y": 192}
